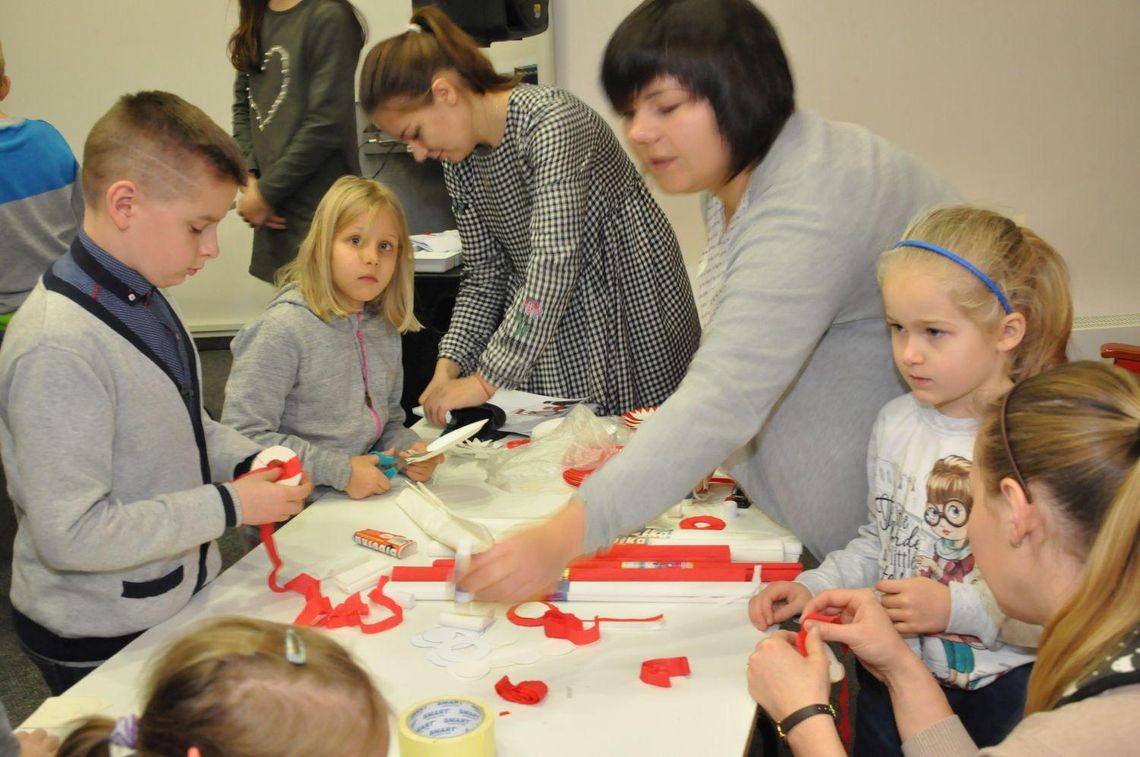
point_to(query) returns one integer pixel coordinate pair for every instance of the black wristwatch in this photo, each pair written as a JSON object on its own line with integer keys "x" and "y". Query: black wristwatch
{"x": 800, "y": 715}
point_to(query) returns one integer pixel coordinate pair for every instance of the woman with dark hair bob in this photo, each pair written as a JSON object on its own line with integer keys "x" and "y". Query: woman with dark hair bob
{"x": 686, "y": 40}
{"x": 794, "y": 361}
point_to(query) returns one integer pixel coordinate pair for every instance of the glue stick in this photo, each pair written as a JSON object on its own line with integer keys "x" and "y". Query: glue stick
{"x": 462, "y": 562}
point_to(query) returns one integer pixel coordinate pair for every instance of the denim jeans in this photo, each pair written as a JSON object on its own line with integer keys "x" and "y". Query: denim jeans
{"x": 59, "y": 676}
{"x": 988, "y": 713}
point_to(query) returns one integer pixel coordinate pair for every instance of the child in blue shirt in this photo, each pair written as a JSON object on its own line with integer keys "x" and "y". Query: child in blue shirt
{"x": 41, "y": 204}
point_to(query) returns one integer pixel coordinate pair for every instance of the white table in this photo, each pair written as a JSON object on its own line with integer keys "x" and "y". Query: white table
{"x": 596, "y": 704}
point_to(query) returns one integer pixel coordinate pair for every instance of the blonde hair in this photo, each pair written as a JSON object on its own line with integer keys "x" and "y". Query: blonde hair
{"x": 227, "y": 688}
{"x": 1074, "y": 432}
{"x": 311, "y": 271}
{"x": 2, "y": 68}
{"x": 1028, "y": 271}
{"x": 152, "y": 138}
{"x": 399, "y": 70}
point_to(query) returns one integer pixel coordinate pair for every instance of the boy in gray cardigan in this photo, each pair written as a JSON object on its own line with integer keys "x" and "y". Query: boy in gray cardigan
{"x": 110, "y": 459}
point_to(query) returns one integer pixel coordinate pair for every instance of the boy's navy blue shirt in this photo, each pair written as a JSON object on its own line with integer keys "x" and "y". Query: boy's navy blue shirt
{"x": 128, "y": 296}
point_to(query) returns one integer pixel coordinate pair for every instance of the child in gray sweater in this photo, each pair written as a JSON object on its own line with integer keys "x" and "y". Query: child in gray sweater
{"x": 320, "y": 370}
{"x": 110, "y": 460}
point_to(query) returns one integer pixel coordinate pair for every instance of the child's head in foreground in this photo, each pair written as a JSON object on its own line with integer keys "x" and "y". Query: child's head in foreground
{"x": 357, "y": 255}
{"x": 974, "y": 302}
{"x": 158, "y": 177}
{"x": 242, "y": 686}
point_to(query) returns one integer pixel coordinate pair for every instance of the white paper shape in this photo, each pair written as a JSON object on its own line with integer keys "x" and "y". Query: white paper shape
{"x": 470, "y": 671}
{"x": 557, "y": 647}
{"x": 443, "y": 443}
{"x": 524, "y": 655}
{"x": 464, "y": 650}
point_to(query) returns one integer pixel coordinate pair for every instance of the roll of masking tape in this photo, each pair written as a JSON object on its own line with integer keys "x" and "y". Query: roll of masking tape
{"x": 451, "y": 727}
{"x": 276, "y": 454}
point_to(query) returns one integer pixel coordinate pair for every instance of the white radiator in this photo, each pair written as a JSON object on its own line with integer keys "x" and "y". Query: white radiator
{"x": 1091, "y": 331}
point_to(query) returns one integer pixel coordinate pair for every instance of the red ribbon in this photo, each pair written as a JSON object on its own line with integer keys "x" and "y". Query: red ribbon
{"x": 563, "y": 625}
{"x": 318, "y": 610}
{"x": 658, "y": 672}
{"x": 524, "y": 692}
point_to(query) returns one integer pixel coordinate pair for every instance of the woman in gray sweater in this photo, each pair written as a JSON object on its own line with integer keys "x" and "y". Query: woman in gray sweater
{"x": 794, "y": 361}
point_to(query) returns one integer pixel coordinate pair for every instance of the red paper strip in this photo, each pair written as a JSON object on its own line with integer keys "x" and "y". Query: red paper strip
{"x": 658, "y": 672}
{"x": 378, "y": 596}
{"x": 585, "y": 570}
{"x": 524, "y": 692}
{"x": 418, "y": 573}
{"x": 741, "y": 573}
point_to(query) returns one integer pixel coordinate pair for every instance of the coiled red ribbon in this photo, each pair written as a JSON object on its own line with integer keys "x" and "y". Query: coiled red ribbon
{"x": 524, "y": 692}
{"x": 318, "y": 610}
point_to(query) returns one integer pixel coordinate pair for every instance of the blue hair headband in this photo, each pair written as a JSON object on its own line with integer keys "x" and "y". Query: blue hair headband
{"x": 990, "y": 284}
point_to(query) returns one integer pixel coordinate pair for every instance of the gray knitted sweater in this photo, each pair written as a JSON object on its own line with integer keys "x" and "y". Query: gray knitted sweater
{"x": 109, "y": 470}
{"x": 299, "y": 381}
{"x": 795, "y": 365}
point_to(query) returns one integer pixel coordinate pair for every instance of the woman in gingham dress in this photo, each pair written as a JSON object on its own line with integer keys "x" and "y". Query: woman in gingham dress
{"x": 573, "y": 283}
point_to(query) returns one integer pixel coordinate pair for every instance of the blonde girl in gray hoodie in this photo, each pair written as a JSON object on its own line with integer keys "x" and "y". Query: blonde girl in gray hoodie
{"x": 320, "y": 370}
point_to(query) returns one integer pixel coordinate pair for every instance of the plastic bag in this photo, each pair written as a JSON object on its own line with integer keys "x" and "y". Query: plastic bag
{"x": 582, "y": 440}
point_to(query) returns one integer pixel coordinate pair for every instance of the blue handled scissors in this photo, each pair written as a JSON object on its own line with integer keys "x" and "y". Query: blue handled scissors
{"x": 388, "y": 464}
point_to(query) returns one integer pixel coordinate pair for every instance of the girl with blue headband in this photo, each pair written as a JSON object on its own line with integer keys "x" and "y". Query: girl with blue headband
{"x": 974, "y": 304}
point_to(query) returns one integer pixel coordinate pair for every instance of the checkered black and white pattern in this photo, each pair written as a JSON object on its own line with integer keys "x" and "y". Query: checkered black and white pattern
{"x": 573, "y": 283}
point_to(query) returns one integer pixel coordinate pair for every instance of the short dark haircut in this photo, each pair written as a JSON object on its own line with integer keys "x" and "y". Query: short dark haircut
{"x": 150, "y": 137}
{"x": 723, "y": 51}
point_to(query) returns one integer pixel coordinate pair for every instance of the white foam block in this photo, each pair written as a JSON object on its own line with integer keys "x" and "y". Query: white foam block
{"x": 360, "y": 577}
{"x": 467, "y": 622}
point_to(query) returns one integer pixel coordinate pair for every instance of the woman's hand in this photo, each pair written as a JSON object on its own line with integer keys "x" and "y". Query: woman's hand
{"x": 446, "y": 371}
{"x": 421, "y": 471}
{"x": 781, "y": 680}
{"x": 916, "y": 605}
{"x": 439, "y": 399}
{"x": 366, "y": 478}
{"x": 530, "y": 562}
{"x": 253, "y": 209}
{"x": 778, "y": 602}
{"x": 916, "y": 697}
{"x": 865, "y": 628}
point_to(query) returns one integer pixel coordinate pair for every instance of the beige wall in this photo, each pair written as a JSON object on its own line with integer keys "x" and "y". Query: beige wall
{"x": 69, "y": 60}
{"x": 1023, "y": 104}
